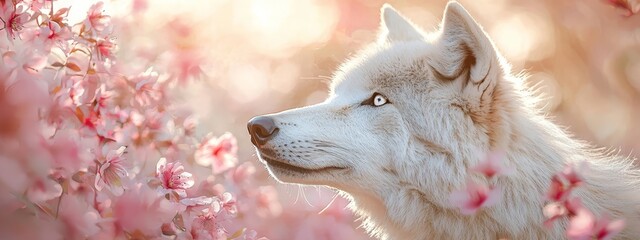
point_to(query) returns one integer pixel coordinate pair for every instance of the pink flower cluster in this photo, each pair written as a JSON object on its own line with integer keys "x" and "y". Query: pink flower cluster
{"x": 476, "y": 195}
{"x": 582, "y": 223}
{"x": 79, "y": 134}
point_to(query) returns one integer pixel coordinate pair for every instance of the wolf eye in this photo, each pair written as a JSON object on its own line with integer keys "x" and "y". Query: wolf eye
{"x": 376, "y": 100}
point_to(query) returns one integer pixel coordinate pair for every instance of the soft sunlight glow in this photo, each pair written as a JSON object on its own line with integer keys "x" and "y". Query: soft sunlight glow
{"x": 279, "y": 28}
{"x": 524, "y": 36}
{"x": 78, "y": 10}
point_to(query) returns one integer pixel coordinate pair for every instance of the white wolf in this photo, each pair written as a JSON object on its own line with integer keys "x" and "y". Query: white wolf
{"x": 407, "y": 117}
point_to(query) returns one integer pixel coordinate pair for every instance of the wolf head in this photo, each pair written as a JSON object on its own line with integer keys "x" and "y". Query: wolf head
{"x": 403, "y": 121}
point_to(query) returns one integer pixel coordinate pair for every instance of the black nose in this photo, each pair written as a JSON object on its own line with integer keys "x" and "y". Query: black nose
{"x": 261, "y": 129}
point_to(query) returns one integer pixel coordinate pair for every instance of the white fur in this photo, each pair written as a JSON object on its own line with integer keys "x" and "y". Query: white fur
{"x": 404, "y": 159}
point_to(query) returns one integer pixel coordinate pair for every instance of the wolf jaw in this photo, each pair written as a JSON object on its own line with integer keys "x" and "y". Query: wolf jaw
{"x": 452, "y": 99}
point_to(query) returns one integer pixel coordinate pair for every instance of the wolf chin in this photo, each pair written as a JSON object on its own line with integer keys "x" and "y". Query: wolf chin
{"x": 407, "y": 117}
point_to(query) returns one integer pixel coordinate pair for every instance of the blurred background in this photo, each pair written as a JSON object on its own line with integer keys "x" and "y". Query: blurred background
{"x": 256, "y": 57}
{"x": 243, "y": 58}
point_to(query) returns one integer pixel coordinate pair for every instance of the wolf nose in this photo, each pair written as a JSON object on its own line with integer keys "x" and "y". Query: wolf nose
{"x": 261, "y": 129}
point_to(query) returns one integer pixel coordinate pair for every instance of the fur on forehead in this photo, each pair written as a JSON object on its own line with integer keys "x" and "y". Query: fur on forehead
{"x": 378, "y": 61}
{"x": 400, "y": 44}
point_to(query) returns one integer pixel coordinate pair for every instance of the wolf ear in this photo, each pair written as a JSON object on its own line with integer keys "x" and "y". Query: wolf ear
{"x": 464, "y": 48}
{"x": 394, "y": 27}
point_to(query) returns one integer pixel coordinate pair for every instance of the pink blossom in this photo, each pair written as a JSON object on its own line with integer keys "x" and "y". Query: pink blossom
{"x": 553, "y": 212}
{"x": 187, "y": 65}
{"x": 105, "y": 48}
{"x": 557, "y": 190}
{"x": 584, "y": 225}
{"x": 142, "y": 209}
{"x": 14, "y": 18}
{"x": 564, "y": 182}
{"x": 146, "y": 87}
{"x": 572, "y": 174}
{"x": 59, "y": 110}
{"x": 79, "y": 219}
{"x": 197, "y": 201}
{"x": 573, "y": 205}
{"x": 96, "y": 20}
{"x": 43, "y": 189}
{"x": 219, "y": 152}
{"x": 474, "y": 197}
{"x": 139, "y": 6}
{"x": 228, "y": 204}
{"x": 111, "y": 172}
{"x": 492, "y": 165}
{"x": 66, "y": 153}
{"x": 267, "y": 204}
{"x": 242, "y": 173}
{"x": 581, "y": 225}
{"x": 206, "y": 226}
{"x": 38, "y": 4}
{"x": 19, "y": 105}
{"x": 13, "y": 174}
{"x": 21, "y": 63}
{"x": 54, "y": 33}
{"x": 173, "y": 176}
{"x": 606, "y": 229}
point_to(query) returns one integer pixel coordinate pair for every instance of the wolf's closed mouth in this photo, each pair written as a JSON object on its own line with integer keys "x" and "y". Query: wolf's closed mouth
{"x": 273, "y": 162}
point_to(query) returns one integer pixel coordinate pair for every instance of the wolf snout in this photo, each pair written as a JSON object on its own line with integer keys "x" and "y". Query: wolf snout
{"x": 262, "y": 129}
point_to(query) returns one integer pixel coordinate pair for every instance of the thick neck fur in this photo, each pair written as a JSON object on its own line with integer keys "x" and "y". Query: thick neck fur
{"x": 405, "y": 208}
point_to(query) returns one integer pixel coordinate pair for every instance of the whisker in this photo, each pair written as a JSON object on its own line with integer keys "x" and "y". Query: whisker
{"x": 305, "y": 197}
{"x": 329, "y": 204}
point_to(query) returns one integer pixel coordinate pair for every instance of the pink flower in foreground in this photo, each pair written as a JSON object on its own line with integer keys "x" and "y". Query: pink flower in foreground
{"x": 242, "y": 173}
{"x": 557, "y": 191}
{"x": 474, "y": 197}
{"x": 564, "y": 182}
{"x": 23, "y": 63}
{"x": 79, "y": 218}
{"x": 111, "y": 172}
{"x": 67, "y": 157}
{"x": 173, "y": 175}
{"x": 143, "y": 209}
{"x": 584, "y": 225}
{"x": 571, "y": 174}
{"x": 43, "y": 189}
{"x": 267, "y": 203}
{"x": 568, "y": 207}
{"x": 492, "y": 166}
{"x": 219, "y": 152}
{"x": 581, "y": 225}
{"x": 605, "y": 229}
{"x": 553, "y": 211}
